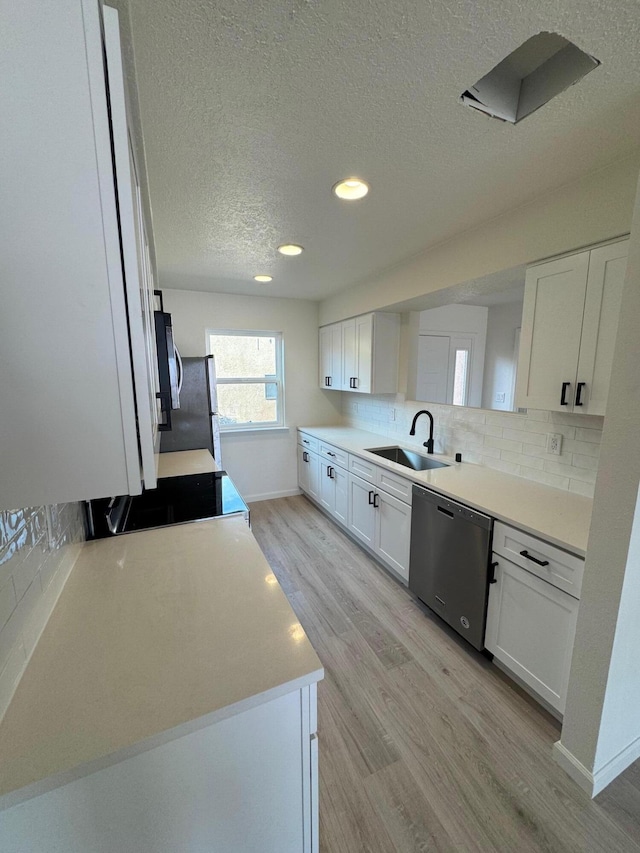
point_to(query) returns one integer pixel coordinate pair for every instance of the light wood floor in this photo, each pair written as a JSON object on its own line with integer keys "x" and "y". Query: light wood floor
{"x": 424, "y": 744}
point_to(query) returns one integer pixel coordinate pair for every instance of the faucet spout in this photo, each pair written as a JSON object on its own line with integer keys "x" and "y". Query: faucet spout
{"x": 429, "y": 443}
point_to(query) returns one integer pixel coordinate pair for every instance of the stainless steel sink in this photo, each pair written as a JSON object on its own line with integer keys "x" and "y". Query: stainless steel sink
{"x": 408, "y": 458}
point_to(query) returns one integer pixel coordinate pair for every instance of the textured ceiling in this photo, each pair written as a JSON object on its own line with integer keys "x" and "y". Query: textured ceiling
{"x": 251, "y": 111}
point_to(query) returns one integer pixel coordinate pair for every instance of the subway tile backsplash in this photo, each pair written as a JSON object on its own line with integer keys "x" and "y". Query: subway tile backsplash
{"x": 38, "y": 547}
{"x": 514, "y": 443}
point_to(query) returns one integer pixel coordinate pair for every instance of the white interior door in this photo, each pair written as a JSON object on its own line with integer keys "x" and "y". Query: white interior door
{"x": 433, "y": 368}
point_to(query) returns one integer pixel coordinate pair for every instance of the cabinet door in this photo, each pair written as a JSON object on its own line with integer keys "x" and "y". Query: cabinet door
{"x": 134, "y": 256}
{"x": 349, "y": 355}
{"x": 554, "y": 301}
{"x": 607, "y": 267}
{"x": 364, "y": 353}
{"x": 325, "y": 338}
{"x": 393, "y": 533}
{"x": 68, "y": 410}
{"x": 330, "y": 343}
{"x": 362, "y": 515}
{"x": 341, "y": 497}
{"x": 327, "y": 486}
{"x": 530, "y": 629}
{"x": 314, "y": 476}
{"x": 304, "y": 471}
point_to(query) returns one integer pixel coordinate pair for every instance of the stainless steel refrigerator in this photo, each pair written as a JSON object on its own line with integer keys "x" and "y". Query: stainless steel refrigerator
{"x": 195, "y": 425}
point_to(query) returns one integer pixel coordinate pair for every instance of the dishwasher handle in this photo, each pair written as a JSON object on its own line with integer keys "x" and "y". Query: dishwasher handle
{"x": 446, "y": 512}
{"x": 451, "y": 509}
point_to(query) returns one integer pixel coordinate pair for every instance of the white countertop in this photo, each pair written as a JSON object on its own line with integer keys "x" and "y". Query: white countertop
{"x": 558, "y": 516}
{"x": 156, "y": 634}
{"x": 180, "y": 462}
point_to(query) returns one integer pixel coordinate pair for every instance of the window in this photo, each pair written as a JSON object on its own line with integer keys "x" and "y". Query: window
{"x": 461, "y": 377}
{"x": 249, "y": 367}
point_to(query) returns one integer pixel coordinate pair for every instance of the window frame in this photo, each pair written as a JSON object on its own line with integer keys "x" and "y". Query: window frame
{"x": 277, "y": 381}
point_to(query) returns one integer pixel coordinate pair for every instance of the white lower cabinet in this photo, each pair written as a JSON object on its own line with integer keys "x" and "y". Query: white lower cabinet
{"x": 382, "y": 523}
{"x": 309, "y": 472}
{"x": 530, "y": 629}
{"x": 333, "y": 490}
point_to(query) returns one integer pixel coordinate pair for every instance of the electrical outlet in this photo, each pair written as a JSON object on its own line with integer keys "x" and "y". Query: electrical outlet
{"x": 554, "y": 443}
{"x": 392, "y": 414}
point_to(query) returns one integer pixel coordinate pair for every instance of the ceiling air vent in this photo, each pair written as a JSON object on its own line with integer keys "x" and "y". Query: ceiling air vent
{"x": 529, "y": 77}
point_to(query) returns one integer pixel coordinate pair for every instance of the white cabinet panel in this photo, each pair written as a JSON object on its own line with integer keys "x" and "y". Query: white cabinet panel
{"x": 362, "y": 515}
{"x": 394, "y": 484}
{"x": 551, "y": 330}
{"x": 607, "y": 268}
{"x": 361, "y": 354}
{"x": 309, "y": 442}
{"x": 69, "y": 421}
{"x": 569, "y": 326}
{"x": 530, "y": 629}
{"x": 362, "y": 468}
{"x": 331, "y": 357}
{"x": 309, "y": 472}
{"x": 548, "y": 562}
{"x": 341, "y": 498}
{"x": 393, "y": 532}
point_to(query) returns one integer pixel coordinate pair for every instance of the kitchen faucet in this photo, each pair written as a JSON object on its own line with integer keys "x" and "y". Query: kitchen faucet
{"x": 428, "y": 444}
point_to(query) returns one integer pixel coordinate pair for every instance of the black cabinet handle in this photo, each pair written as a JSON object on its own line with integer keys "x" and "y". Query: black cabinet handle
{"x": 563, "y": 396}
{"x": 330, "y": 381}
{"x": 305, "y": 441}
{"x": 492, "y": 572}
{"x": 579, "y": 388}
{"x": 305, "y": 456}
{"x": 329, "y": 453}
{"x": 371, "y": 497}
{"x": 330, "y": 472}
{"x": 376, "y": 499}
{"x": 533, "y": 559}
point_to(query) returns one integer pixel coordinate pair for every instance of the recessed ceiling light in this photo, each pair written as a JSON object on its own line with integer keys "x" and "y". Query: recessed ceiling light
{"x": 263, "y": 279}
{"x": 351, "y": 189}
{"x": 290, "y": 249}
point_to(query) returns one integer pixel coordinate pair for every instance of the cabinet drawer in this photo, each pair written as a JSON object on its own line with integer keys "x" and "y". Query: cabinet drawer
{"x": 563, "y": 570}
{"x": 308, "y": 441}
{"x": 334, "y": 454}
{"x": 362, "y": 468}
{"x": 393, "y": 484}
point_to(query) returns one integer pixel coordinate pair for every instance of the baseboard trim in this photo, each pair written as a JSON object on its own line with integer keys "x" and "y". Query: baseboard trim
{"x": 594, "y": 783}
{"x": 270, "y": 496}
{"x": 573, "y": 767}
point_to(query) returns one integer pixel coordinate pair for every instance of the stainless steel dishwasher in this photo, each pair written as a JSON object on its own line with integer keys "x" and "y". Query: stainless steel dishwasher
{"x": 449, "y": 564}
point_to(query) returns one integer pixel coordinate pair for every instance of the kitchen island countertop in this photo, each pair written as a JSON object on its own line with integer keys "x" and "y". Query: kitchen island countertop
{"x": 156, "y": 634}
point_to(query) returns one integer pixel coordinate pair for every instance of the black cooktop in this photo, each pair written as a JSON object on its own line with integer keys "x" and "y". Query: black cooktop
{"x": 176, "y": 500}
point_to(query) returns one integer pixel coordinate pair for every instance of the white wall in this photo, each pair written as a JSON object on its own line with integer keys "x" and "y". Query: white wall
{"x": 262, "y": 464}
{"x": 595, "y": 208}
{"x": 499, "y": 362}
{"x": 601, "y": 731}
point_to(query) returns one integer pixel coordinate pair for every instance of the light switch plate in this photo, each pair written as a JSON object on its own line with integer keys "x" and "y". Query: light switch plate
{"x": 392, "y": 414}
{"x": 554, "y": 443}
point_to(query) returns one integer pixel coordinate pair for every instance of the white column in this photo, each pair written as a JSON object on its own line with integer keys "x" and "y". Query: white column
{"x": 601, "y": 731}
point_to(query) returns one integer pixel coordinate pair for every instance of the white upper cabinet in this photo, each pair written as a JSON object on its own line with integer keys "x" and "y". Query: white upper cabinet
{"x": 569, "y": 325}
{"x": 361, "y": 354}
{"x": 69, "y": 428}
